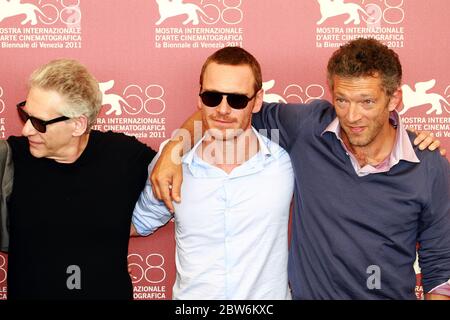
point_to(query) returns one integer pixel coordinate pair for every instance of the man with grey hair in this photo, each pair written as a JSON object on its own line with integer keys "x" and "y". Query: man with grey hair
{"x": 74, "y": 192}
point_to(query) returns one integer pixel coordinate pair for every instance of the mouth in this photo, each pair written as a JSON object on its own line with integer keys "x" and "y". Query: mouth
{"x": 223, "y": 121}
{"x": 34, "y": 143}
{"x": 356, "y": 130}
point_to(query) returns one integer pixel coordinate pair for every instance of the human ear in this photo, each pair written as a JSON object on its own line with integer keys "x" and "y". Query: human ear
{"x": 395, "y": 99}
{"x": 258, "y": 101}
{"x": 81, "y": 125}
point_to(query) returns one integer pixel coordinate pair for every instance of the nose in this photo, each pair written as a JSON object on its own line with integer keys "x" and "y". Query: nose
{"x": 353, "y": 114}
{"x": 223, "y": 108}
{"x": 28, "y": 129}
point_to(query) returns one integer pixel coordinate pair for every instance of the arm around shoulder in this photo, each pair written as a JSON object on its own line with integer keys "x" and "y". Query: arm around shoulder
{"x": 288, "y": 119}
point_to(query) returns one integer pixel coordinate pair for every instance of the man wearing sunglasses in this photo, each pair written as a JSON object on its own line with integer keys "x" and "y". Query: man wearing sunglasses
{"x": 364, "y": 196}
{"x": 74, "y": 192}
{"x": 232, "y": 225}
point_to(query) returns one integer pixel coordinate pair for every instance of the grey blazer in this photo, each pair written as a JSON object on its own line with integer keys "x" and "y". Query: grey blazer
{"x": 6, "y": 179}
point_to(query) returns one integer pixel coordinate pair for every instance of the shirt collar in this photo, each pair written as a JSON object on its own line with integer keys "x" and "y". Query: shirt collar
{"x": 192, "y": 160}
{"x": 402, "y": 150}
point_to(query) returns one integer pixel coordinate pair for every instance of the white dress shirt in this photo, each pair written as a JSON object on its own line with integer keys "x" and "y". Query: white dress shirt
{"x": 231, "y": 229}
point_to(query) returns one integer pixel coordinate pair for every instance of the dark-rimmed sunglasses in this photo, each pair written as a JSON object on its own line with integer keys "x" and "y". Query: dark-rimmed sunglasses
{"x": 234, "y": 100}
{"x": 39, "y": 124}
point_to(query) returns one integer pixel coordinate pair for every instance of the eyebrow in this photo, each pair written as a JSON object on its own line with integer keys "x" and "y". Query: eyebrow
{"x": 363, "y": 95}
{"x": 229, "y": 92}
{"x": 31, "y": 115}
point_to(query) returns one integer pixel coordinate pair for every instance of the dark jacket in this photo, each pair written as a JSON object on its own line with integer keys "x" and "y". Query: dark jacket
{"x": 6, "y": 179}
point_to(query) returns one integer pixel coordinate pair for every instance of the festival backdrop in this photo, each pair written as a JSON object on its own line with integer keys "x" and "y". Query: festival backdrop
{"x": 147, "y": 55}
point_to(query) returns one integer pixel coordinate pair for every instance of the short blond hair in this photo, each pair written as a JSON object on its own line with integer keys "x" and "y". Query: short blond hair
{"x": 74, "y": 83}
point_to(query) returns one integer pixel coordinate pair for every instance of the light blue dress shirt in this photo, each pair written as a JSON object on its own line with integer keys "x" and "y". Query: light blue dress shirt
{"x": 231, "y": 229}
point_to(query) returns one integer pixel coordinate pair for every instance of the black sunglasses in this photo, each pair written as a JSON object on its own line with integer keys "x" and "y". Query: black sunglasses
{"x": 234, "y": 100}
{"x": 38, "y": 124}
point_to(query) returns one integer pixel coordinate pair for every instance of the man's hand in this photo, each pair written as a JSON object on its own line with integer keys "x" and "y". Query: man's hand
{"x": 167, "y": 175}
{"x": 427, "y": 139}
{"x": 430, "y": 296}
{"x": 133, "y": 231}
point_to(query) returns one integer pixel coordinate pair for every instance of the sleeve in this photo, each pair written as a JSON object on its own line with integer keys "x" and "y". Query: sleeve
{"x": 284, "y": 121}
{"x": 135, "y": 158}
{"x": 443, "y": 289}
{"x": 434, "y": 226}
{"x": 149, "y": 213}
